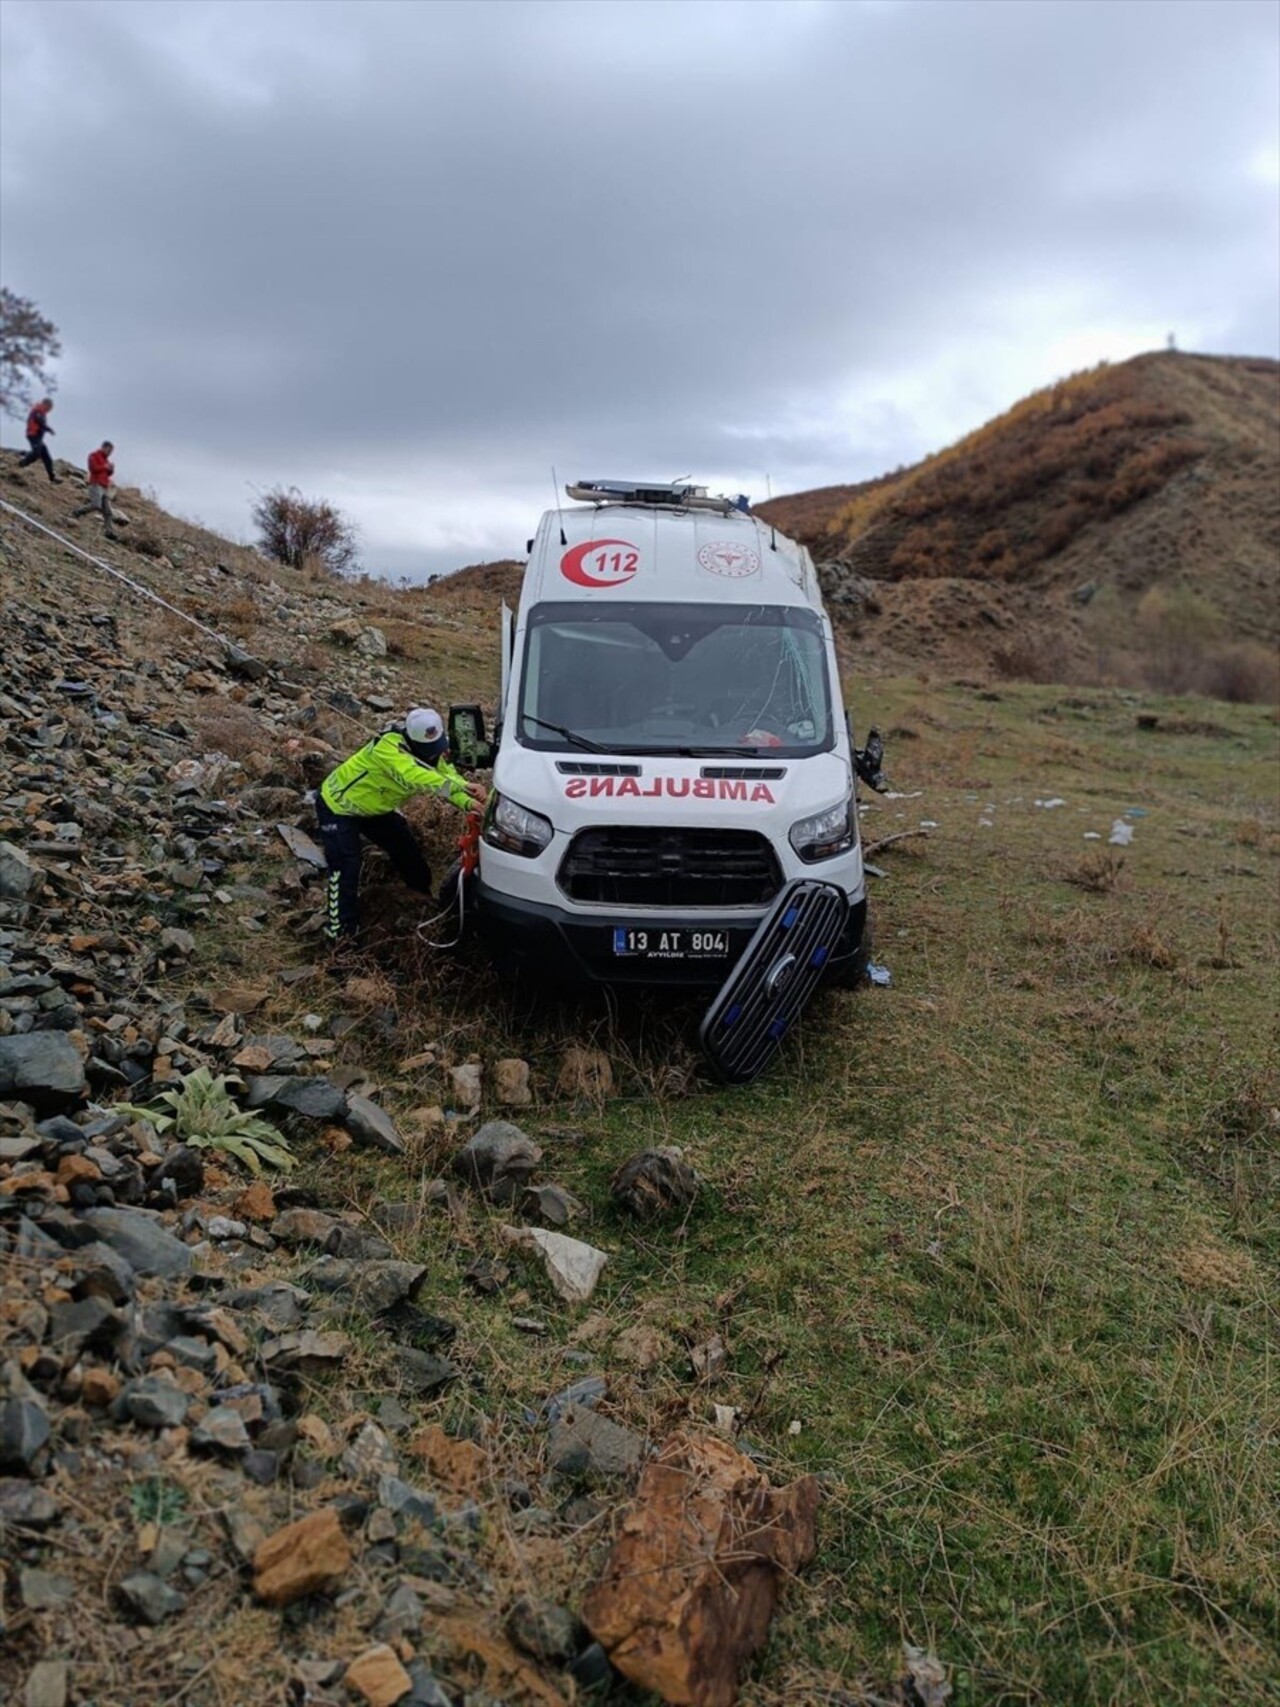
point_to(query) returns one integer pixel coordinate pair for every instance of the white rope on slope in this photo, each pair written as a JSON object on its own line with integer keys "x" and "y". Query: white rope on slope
{"x": 137, "y": 586}
{"x": 231, "y": 647}
{"x": 228, "y": 646}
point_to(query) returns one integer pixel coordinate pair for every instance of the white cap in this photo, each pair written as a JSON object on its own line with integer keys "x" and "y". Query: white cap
{"x": 424, "y": 733}
{"x": 424, "y": 725}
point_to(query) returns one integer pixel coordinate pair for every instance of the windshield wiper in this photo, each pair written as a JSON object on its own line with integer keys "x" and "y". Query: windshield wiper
{"x": 567, "y": 734}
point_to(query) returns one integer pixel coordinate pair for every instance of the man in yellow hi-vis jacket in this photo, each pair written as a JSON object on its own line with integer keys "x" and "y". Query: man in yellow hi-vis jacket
{"x": 360, "y": 798}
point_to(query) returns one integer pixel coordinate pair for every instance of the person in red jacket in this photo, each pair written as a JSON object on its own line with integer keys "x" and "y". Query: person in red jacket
{"x": 101, "y": 469}
{"x": 37, "y": 427}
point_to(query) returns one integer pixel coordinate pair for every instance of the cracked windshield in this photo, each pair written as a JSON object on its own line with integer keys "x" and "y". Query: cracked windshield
{"x": 676, "y": 678}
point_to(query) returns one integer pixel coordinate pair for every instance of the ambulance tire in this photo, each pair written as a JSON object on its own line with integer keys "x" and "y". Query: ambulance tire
{"x": 850, "y": 974}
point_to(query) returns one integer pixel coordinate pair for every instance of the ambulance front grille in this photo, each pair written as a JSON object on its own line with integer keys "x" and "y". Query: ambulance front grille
{"x": 627, "y": 866}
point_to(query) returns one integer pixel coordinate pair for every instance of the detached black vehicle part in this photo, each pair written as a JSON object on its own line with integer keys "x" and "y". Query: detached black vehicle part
{"x": 769, "y": 987}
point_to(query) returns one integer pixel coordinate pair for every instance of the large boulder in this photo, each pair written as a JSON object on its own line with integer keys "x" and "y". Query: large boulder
{"x": 701, "y": 1556}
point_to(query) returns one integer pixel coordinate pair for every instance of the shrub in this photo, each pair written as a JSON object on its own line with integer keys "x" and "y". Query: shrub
{"x": 231, "y": 729}
{"x": 1177, "y": 627}
{"x": 146, "y": 540}
{"x": 1245, "y": 673}
{"x": 304, "y": 533}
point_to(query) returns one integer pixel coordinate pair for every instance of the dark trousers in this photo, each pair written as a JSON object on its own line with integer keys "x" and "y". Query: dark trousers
{"x": 99, "y": 500}
{"x": 342, "y": 838}
{"x": 38, "y": 451}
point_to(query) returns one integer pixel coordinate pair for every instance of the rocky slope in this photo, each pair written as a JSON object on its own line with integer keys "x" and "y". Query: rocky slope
{"x": 1031, "y": 545}
{"x": 253, "y": 1440}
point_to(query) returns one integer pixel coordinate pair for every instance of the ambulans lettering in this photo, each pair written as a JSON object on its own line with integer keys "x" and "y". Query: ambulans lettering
{"x": 670, "y": 787}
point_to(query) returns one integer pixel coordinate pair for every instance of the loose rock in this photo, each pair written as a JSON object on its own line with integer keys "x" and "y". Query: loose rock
{"x": 551, "y": 1204}
{"x": 47, "y": 1684}
{"x": 41, "y": 1067}
{"x": 314, "y": 1098}
{"x": 377, "y": 1676}
{"x": 42, "y": 1591}
{"x": 543, "y": 1629}
{"x": 150, "y": 1598}
{"x": 24, "y": 1432}
{"x": 369, "y": 1124}
{"x": 573, "y": 1267}
{"x": 20, "y": 876}
{"x": 141, "y": 1240}
{"x": 153, "y": 1402}
{"x": 580, "y": 1443}
{"x": 499, "y": 1160}
{"x": 654, "y": 1183}
{"x": 511, "y": 1082}
{"x": 306, "y": 1557}
{"x": 691, "y": 1584}
{"x": 222, "y": 1430}
{"x": 585, "y": 1073}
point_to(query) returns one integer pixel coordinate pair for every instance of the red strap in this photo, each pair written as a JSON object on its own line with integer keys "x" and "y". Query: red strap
{"x": 468, "y": 843}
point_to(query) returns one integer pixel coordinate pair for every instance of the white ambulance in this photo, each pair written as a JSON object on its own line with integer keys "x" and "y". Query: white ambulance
{"x": 672, "y": 748}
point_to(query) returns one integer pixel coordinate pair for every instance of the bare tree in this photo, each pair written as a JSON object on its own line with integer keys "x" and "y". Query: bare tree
{"x": 299, "y": 531}
{"x": 27, "y": 342}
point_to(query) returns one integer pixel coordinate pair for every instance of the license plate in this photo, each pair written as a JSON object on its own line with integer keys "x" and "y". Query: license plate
{"x": 671, "y": 945}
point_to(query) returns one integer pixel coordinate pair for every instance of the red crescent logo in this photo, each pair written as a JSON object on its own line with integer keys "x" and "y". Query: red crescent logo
{"x": 600, "y": 563}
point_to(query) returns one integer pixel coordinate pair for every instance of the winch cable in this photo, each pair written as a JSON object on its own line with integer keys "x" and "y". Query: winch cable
{"x": 466, "y": 842}
{"x": 468, "y": 846}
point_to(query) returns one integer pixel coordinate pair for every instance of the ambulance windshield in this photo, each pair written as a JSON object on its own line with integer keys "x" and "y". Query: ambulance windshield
{"x": 701, "y": 680}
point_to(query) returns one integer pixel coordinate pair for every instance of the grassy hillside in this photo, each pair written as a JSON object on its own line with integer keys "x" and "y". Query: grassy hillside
{"x": 1156, "y": 479}
{"x": 993, "y": 1250}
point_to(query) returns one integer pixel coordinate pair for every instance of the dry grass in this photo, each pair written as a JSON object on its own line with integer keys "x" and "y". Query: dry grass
{"x": 224, "y": 727}
{"x": 1159, "y": 473}
{"x": 1098, "y": 872}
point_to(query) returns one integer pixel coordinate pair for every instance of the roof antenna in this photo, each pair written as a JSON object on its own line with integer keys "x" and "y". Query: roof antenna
{"x": 773, "y": 532}
{"x": 555, "y": 490}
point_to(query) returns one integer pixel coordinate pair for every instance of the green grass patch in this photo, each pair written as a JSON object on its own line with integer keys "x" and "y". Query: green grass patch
{"x": 994, "y": 1251}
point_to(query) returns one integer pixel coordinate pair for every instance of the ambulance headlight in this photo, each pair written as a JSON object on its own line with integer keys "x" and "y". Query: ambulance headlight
{"x": 515, "y": 829}
{"x": 827, "y": 833}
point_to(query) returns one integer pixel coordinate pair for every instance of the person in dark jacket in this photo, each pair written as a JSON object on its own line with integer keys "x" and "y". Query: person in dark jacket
{"x": 359, "y": 800}
{"x": 38, "y": 429}
{"x": 101, "y": 469}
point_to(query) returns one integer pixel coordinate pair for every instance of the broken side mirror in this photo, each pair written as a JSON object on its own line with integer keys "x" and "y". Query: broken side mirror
{"x": 868, "y": 759}
{"x": 468, "y": 744}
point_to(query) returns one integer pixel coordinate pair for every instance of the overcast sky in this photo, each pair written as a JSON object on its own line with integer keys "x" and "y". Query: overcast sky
{"x": 408, "y": 256}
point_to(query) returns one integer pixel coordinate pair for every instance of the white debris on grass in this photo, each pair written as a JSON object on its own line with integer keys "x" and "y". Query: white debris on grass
{"x": 1050, "y": 804}
{"x": 573, "y": 1268}
{"x": 1121, "y": 834}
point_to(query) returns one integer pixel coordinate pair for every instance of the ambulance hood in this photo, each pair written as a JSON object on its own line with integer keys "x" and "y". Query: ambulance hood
{"x": 579, "y": 791}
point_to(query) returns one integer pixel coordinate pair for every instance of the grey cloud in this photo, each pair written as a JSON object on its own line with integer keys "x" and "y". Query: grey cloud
{"x": 294, "y": 238}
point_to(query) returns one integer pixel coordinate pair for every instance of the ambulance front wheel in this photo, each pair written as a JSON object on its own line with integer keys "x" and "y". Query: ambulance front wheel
{"x": 851, "y": 971}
